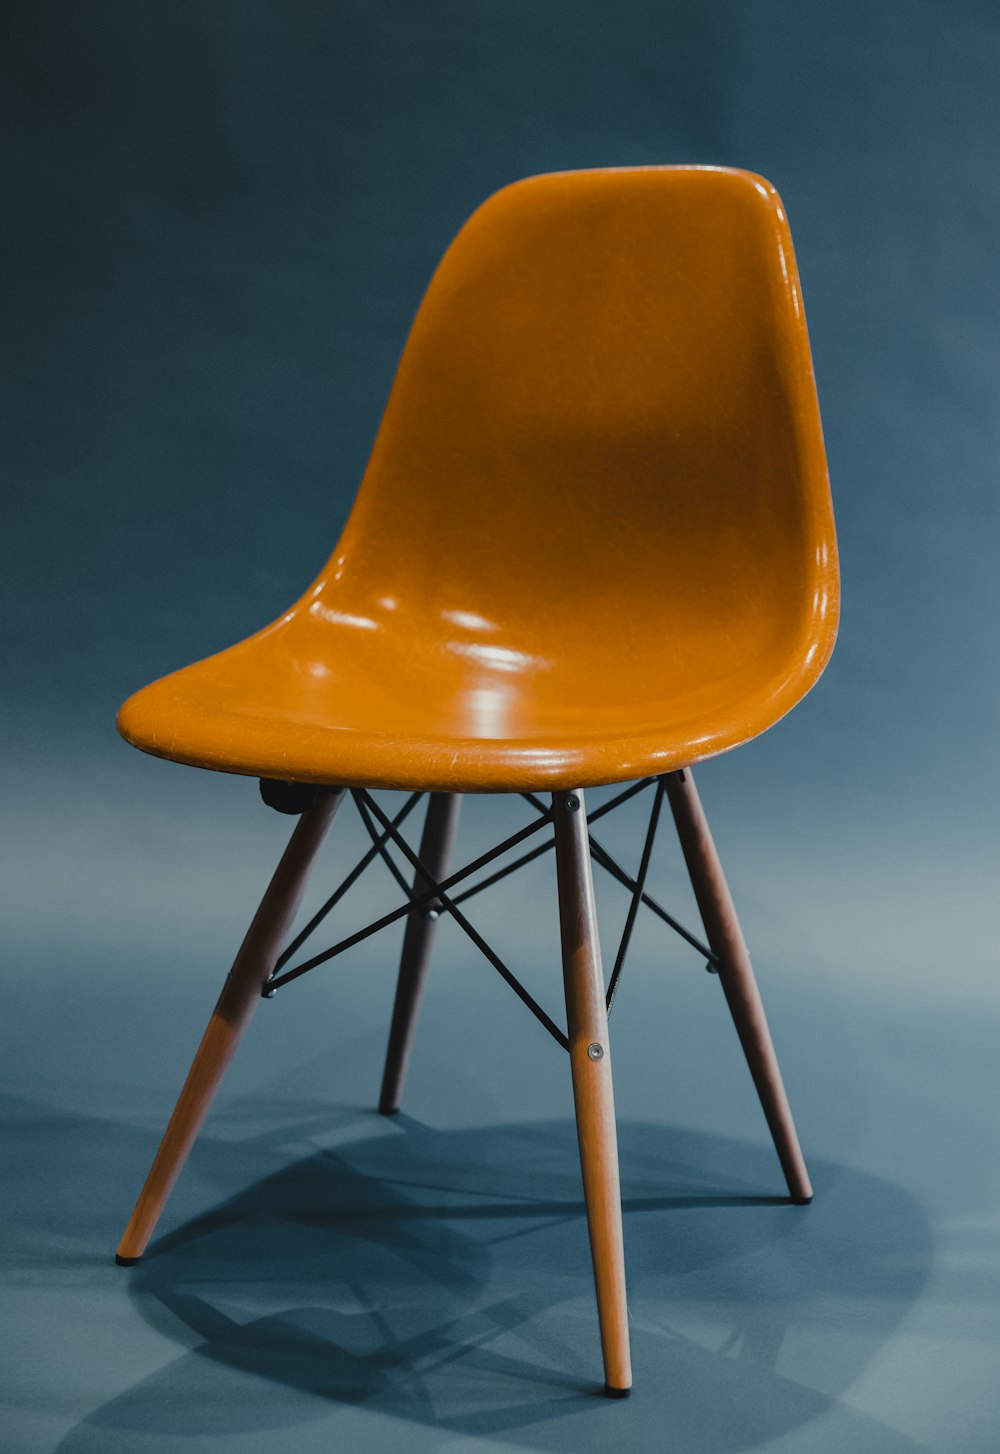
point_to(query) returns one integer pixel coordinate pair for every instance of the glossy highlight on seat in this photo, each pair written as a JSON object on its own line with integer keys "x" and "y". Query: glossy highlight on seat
{"x": 594, "y": 539}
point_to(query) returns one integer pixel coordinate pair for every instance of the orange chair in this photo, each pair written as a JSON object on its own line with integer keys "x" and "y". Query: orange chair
{"x": 594, "y": 543}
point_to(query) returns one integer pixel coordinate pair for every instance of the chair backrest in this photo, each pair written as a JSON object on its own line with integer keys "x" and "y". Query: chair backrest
{"x": 604, "y": 423}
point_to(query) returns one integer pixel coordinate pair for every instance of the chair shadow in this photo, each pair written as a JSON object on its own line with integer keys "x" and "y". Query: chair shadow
{"x": 410, "y": 1277}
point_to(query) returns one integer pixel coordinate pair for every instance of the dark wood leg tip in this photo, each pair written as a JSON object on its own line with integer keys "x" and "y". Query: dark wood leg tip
{"x": 801, "y": 1201}
{"x": 610, "y": 1392}
{"x": 388, "y": 1110}
{"x": 126, "y": 1261}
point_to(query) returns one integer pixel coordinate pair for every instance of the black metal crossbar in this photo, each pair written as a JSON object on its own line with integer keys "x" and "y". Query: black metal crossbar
{"x": 418, "y": 901}
{"x": 637, "y": 892}
{"x": 383, "y": 830}
{"x": 547, "y": 847}
{"x": 379, "y": 842}
{"x": 341, "y": 890}
{"x": 448, "y": 903}
{"x": 601, "y": 856}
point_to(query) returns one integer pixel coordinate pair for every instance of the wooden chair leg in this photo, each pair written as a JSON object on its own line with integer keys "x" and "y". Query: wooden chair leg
{"x": 436, "y": 846}
{"x": 722, "y": 928}
{"x": 593, "y": 1092}
{"x": 240, "y": 996}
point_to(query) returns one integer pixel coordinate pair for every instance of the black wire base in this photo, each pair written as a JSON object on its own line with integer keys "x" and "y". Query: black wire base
{"x": 435, "y": 897}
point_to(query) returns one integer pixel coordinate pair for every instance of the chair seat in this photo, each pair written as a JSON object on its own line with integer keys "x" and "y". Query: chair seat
{"x": 343, "y": 697}
{"x": 594, "y": 538}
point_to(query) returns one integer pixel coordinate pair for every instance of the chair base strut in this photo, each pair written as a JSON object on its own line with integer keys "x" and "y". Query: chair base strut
{"x": 261, "y": 968}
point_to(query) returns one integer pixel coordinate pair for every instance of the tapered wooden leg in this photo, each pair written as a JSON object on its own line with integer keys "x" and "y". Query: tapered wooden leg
{"x": 435, "y": 854}
{"x": 593, "y": 1092}
{"x": 240, "y": 996}
{"x": 722, "y": 928}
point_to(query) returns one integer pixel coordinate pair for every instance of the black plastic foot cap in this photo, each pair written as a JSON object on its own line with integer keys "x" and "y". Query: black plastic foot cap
{"x": 388, "y": 1110}
{"x": 801, "y": 1201}
{"x": 610, "y": 1392}
{"x": 126, "y": 1261}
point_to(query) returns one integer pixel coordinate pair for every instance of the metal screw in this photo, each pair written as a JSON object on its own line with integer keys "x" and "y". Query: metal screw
{"x": 432, "y": 914}
{"x": 270, "y": 994}
{"x": 572, "y": 803}
{"x": 595, "y": 1051}
{"x": 711, "y": 967}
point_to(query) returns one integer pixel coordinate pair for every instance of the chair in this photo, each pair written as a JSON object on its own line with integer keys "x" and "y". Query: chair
{"x": 593, "y": 545}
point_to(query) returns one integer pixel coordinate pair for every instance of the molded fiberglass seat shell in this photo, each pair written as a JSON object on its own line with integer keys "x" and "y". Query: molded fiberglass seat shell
{"x": 594, "y": 540}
